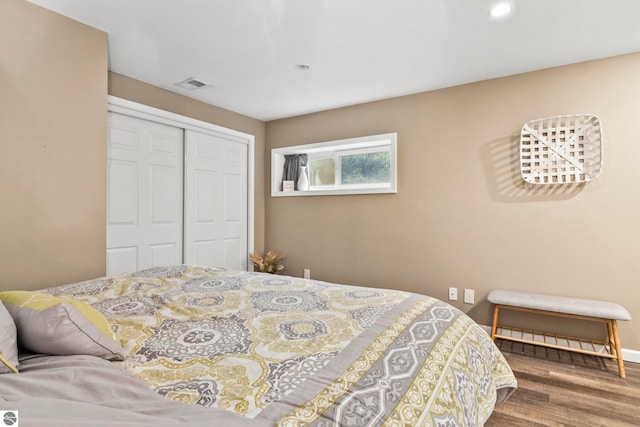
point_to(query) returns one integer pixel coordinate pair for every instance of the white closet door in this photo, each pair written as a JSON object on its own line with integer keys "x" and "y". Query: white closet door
{"x": 145, "y": 194}
{"x": 215, "y": 201}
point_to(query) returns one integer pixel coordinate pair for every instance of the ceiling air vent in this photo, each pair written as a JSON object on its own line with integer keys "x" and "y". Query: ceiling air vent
{"x": 191, "y": 84}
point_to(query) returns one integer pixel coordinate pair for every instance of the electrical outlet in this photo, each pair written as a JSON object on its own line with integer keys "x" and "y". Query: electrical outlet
{"x": 469, "y": 296}
{"x": 307, "y": 273}
{"x": 453, "y": 294}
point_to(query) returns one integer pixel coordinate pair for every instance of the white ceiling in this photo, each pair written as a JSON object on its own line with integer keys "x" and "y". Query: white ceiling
{"x": 358, "y": 50}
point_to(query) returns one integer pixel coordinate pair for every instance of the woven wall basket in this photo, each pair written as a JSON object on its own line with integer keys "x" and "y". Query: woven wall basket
{"x": 561, "y": 149}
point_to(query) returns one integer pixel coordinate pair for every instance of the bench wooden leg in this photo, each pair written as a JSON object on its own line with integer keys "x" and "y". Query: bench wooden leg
{"x": 616, "y": 337}
{"x": 494, "y": 326}
{"x": 612, "y": 341}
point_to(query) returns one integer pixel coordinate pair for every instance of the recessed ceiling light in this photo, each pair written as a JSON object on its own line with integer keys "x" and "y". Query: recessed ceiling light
{"x": 302, "y": 67}
{"x": 500, "y": 10}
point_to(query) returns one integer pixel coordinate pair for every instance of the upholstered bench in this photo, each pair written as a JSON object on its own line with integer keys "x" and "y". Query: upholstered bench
{"x": 575, "y": 308}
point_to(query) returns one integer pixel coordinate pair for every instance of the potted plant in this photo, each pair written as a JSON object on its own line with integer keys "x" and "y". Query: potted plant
{"x": 270, "y": 262}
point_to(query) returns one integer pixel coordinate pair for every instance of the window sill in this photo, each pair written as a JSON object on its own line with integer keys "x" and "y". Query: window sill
{"x": 350, "y": 192}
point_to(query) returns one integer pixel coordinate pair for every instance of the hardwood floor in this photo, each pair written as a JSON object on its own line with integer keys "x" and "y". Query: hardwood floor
{"x": 560, "y": 388}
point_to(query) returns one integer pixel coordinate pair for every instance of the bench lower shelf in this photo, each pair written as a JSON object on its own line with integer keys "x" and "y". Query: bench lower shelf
{"x": 560, "y": 342}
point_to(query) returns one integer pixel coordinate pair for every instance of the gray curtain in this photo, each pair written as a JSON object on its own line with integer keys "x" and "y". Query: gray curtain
{"x": 292, "y": 163}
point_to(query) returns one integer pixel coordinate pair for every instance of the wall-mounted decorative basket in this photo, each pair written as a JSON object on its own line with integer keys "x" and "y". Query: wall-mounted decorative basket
{"x": 561, "y": 149}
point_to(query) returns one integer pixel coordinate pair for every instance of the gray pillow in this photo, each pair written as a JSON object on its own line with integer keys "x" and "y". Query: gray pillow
{"x": 8, "y": 342}
{"x": 60, "y": 326}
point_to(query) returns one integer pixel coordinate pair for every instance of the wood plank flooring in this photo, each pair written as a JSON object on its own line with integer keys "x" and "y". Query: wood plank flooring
{"x": 559, "y": 388}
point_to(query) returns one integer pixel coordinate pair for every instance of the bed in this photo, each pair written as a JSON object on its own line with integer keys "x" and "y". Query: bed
{"x": 208, "y": 346}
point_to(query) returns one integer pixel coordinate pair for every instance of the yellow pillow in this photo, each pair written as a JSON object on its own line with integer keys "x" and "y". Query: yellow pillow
{"x": 60, "y": 326}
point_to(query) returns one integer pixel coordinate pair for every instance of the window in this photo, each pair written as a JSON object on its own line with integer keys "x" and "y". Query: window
{"x": 350, "y": 166}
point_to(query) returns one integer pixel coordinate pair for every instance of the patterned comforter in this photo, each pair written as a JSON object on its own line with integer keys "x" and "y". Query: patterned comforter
{"x": 289, "y": 352}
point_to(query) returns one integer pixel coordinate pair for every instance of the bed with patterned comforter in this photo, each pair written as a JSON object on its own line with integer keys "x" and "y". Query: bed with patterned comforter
{"x": 244, "y": 348}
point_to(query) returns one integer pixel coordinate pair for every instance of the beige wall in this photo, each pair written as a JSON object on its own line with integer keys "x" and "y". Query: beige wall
{"x": 53, "y": 86}
{"x": 462, "y": 216}
{"x": 137, "y": 91}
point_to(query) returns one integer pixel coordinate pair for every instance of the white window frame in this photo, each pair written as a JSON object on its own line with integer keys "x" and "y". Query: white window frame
{"x": 335, "y": 150}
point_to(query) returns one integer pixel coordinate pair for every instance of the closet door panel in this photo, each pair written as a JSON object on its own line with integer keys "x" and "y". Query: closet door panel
{"x": 202, "y": 230}
{"x": 163, "y": 191}
{"x": 233, "y": 252}
{"x": 164, "y": 254}
{"x": 123, "y": 192}
{"x": 145, "y": 194}
{"x": 234, "y": 222}
{"x": 215, "y": 201}
{"x": 122, "y": 259}
{"x": 206, "y": 187}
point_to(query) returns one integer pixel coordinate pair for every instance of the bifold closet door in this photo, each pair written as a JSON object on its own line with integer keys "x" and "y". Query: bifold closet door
{"x": 215, "y": 201}
{"x": 145, "y": 194}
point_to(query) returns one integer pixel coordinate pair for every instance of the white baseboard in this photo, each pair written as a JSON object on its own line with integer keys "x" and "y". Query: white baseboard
{"x": 628, "y": 355}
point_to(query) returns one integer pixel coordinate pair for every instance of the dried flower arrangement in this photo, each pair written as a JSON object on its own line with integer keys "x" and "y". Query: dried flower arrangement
{"x": 271, "y": 262}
